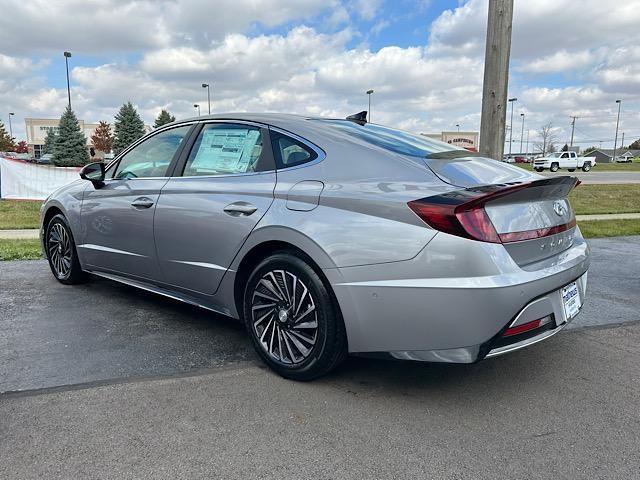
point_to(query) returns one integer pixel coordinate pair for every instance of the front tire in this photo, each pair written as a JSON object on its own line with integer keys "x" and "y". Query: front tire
{"x": 61, "y": 252}
{"x": 292, "y": 319}
{"x": 554, "y": 167}
{"x": 539, "y": 169}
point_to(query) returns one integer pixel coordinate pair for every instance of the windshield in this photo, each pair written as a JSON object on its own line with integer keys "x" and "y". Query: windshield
{"x": 391, "y": 139}
{"x": 555, "y": 155}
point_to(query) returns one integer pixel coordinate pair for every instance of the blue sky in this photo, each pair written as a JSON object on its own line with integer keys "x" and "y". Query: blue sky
{"x": 423, "y": 58}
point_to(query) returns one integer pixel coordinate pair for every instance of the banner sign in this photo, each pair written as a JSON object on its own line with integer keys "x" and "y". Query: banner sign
{"x": 22, "y": 180}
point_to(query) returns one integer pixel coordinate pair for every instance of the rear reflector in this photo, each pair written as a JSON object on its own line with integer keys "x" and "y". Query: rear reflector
{"x": 526, "y": 327}
{"x": 462, "y": 213}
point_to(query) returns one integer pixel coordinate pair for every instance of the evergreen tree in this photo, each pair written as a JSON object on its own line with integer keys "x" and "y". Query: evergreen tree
{"x": 49, "y": 141}
{"x": 70, "y": 147}
{"x": 6, "y": 142}
{"x": 129, "y": 127}
{"x": 164, "y": 118}
{"x": 102, "y": 139}
{"x": 634, "y": 146}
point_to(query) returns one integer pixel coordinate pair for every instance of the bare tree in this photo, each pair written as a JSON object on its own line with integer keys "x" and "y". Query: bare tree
{"x": 548, "y": 136}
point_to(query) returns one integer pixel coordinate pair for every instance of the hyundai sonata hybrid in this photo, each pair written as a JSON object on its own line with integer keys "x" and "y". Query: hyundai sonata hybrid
{"x": 328, "y": 237}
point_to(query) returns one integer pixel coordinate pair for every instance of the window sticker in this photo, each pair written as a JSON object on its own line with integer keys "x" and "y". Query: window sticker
{"x": 226, "y": 150}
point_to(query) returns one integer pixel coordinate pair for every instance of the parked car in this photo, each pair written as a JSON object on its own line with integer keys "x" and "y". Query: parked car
{"x": 568, "y": 160}
{"x": 45, "y": 159}
{"x": 327, "y": 237}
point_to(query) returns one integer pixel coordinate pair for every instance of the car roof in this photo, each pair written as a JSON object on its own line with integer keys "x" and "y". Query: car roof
{"x": 286, "y": 121}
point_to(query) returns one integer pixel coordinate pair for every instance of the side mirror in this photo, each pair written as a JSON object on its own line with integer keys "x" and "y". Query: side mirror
{"x": 94, "y": 172}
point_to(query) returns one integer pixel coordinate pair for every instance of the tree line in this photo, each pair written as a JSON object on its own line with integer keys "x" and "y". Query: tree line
{"x": 68, "y": 145}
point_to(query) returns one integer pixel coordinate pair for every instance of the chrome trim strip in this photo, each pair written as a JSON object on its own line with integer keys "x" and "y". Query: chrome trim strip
{"x": 202, "y": 264}
{"x": 91, "y": 246}
{"x": 525, "y": 343}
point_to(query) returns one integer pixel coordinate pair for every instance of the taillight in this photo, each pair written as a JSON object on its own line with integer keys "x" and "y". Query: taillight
{"x": 462, "y": 213}
{"x": 456, "y": 219}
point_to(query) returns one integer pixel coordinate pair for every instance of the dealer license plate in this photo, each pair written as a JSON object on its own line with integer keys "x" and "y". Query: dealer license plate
{"x": 571, "y": 300}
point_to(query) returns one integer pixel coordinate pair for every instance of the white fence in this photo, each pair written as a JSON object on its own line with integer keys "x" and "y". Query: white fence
{"x": 22, "y": 180}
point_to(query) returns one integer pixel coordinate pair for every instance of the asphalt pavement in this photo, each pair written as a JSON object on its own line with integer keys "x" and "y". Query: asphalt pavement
{"x": 106, "y": 381}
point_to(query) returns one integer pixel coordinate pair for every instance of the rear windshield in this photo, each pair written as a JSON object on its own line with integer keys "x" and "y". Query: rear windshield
{"x": 391, "y": 139}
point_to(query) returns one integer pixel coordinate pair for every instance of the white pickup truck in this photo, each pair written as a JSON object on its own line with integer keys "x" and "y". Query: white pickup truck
{"x": 568, "y": 160}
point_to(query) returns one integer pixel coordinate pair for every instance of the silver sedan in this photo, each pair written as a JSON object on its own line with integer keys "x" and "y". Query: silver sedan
{"x": 328, "y": 237}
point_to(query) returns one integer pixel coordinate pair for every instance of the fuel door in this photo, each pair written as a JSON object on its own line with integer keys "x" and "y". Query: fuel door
{"x": 304, "y": 196}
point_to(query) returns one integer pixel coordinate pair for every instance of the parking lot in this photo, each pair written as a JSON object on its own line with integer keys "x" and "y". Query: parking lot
{"x": 105, "y": 380}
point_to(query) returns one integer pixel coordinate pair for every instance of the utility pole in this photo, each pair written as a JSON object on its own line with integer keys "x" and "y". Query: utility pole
{"x": 496, "y": 78}
{"x": 615, "y": 142}
{"x": 622, "y": 142}
{"x": 573, "y": 127}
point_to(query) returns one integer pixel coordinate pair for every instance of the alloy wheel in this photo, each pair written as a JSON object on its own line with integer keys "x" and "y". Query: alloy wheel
{"x": 59, "y": 249}
{"x": 284, "y": 317}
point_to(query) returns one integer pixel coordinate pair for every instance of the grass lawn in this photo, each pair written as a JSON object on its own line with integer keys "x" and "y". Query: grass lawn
{"x": 20, "y": 249}
{"x": 609, "y": 228}
{"x": 16, "y": 214}
{"x": 598, "y": 199}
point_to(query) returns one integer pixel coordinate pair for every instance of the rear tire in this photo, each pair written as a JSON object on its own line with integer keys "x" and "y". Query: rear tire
{"x": 586, "y": 167}
{"x": 61, "y": 252}
{"x": 292, "y": 319}
{"x": 554, "y": 167}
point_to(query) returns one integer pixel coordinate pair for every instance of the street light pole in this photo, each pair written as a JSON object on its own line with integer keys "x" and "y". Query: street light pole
{"x": 369, "y": 92}
{"x": 10, "y": 127}
{"x": 511, "y": 101}
{"x": 615, "y": 142}
{"x": 67, "y": 55}
{"x": 458, "y": 125}
{"x": 206, "y": 85}
{"x": 195, "y": 105}
{"x": 522, "y": 132}
{"x": 527, "y": 142}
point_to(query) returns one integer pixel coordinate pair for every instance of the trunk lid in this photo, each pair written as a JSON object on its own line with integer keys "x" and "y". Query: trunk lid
{"x": 530, "y": 213}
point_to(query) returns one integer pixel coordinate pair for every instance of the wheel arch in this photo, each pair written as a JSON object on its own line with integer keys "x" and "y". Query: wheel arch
{"x": 258, "y": 251}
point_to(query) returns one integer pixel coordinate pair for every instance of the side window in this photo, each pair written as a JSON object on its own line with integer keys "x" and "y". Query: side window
{"x": 223, "y": 149}
{"x": 565, "y": 155}
{"x": 152, "y": 157}
{"x": 290, "y": 152}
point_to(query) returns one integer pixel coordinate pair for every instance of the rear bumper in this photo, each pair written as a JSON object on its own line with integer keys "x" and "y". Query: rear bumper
{"x": 549, "y": 305}
{"x": 473, "y": 292}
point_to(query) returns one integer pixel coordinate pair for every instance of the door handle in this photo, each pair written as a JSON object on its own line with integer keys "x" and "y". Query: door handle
{"x": 142, "y": 202}
{"x": 238, "y": 209}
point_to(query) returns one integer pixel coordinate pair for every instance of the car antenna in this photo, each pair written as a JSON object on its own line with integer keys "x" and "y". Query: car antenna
{"x": 360, "y": 118}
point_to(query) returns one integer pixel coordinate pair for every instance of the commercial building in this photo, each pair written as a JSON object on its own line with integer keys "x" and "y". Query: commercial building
{"x": 468, "y": 140}
{"x": 37, "y": 129}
